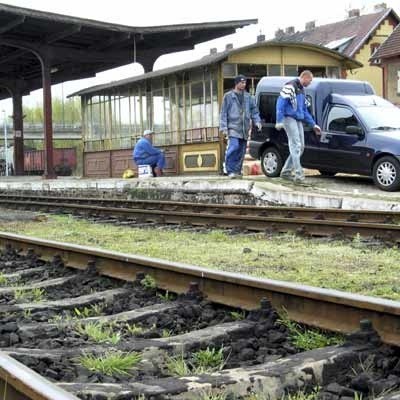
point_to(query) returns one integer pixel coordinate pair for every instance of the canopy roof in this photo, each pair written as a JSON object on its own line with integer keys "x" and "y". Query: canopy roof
{"x": 78, "y": 48}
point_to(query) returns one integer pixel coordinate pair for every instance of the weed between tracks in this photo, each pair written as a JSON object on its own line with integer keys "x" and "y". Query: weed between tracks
{"x": 350, "y": 265}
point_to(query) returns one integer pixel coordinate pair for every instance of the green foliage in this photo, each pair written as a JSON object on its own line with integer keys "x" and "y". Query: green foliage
{"x": 308, "y": 339}
{"x": 178, "y": 366}
{"x": 98, "y": 332}
{"x": 300, "y": 395}
{"x": 67, "y": 111}
{"x": 208, "y": 395}
{"x": 238, "y": 315}
{"x": 167, "y": 296}
{"x": 110, "y": 363}
{"x": 333, "y": 264}
{"x": 201, "y": 362}
{"x": 134, "y": 329}
{"x": 29, "y": 295}
{"x": 27, "y": 313}
{"x": 94, "y": 310}
{"x": 166, "y": 333}
{"x": 148, "y": 282}
{"x": 3, "y": 279}
{"x": 208, "y": 360}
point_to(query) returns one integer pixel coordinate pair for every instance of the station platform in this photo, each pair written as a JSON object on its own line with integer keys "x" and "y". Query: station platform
{"x": 340, "y": 192}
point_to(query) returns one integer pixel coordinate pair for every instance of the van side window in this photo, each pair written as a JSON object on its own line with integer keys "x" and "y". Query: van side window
{"x": 267, "y": 107}
{"x": 340, "y": 118}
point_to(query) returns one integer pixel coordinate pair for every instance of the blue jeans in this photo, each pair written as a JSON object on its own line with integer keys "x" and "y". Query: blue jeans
{"x": 295, "y": 133}
{"x": 158, "y": 160}
{"x": 235, "y": 155}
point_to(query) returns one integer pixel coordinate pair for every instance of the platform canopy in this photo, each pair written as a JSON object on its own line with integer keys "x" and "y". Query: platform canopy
{"x": 76, "y": 48}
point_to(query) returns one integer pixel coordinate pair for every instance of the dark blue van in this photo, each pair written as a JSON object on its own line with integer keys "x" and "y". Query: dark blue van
{"x": 360, "y": 131}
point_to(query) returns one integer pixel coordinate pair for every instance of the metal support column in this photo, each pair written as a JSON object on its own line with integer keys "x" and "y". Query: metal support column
{"x": 48, "y": 121}
{"x": 18, "y": 133}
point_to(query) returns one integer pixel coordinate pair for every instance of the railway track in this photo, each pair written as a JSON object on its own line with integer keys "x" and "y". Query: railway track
{"x": 307, "y": 221}
{"x": 78, "y": 287}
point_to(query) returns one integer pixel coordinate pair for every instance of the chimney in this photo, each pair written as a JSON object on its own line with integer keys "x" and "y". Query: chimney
{"x": 380, "y": 7}
{"x": 279, "y": 34}
{"x": 355, "y": 12}
{"x": 310, "y": 25}
{"x": 229, "y": 46}
{"x": 213, "y": 51}
{"x": 289, "y": 30}
{"x": 260, "y": 38}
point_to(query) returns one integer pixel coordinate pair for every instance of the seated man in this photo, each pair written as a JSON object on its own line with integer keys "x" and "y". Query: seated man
{"x": 145, "y": 153}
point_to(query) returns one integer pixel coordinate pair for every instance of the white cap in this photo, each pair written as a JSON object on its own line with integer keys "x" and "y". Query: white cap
{"x": 148, "y": 132}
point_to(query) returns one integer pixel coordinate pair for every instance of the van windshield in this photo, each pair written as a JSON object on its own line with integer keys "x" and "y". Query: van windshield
{"x": 381, "y": 118}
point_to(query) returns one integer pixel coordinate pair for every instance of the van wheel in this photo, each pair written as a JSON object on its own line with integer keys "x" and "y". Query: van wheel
{"x": 326, "y": 173}
{"x": 386, "y": 174}
{"x": 271, "y": 162}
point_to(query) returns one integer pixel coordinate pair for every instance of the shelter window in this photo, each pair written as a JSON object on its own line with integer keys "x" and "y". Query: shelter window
{"x": 197, "y": 105}
{"x": 290, "y": 70}
{"x": 274, "y": 70}
{"x": 158, "y": 111}
{"x": 333, "y": 72}
{"x": 125, "y": 114}
{"x": 267, "y": 107}
{"x": 252, "y": 70}
{"x": 229, "y": 69}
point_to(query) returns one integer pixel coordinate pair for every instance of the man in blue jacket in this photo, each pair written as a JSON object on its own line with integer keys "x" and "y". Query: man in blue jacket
{"x": 145, "y": 153}
{"x": 291, "y": 111}
{"x": 237, "y": 112}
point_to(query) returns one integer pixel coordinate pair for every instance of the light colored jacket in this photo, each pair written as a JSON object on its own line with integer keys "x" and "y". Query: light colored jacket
{"x": 235, "y": 118}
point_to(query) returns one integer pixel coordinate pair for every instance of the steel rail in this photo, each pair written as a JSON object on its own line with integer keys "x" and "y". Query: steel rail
{"x": 18, "y": 382}
{"x": 313, "y": 227}
{"x": 324, "y": 308}
{"x": 392, "y": 217}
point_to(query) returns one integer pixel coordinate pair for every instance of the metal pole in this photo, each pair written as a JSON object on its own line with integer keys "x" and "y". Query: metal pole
{"x": 5, "y": 141}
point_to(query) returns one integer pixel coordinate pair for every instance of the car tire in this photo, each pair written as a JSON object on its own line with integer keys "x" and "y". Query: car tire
{"x": 386, "y": 174}
{"x": 327, "y": 173}
{"x": 271, "y": 162}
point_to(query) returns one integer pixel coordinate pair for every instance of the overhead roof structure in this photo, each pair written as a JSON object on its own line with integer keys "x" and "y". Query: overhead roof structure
{"x": 79, "y": 48}
{"x": 209, "y": 59}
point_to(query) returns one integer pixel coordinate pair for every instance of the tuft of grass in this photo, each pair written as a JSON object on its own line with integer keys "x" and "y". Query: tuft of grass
{"x": 166, "y": 333}
{"x": 307, "y": 339}
{"x": 167, "y": 296}
{"x": 98, "y": 332}
{"x": 3, "y": 279}
{"x": 148, "y": 282}
{"x": 201, "y": 362}
{"x": 29, "y": 295}
{"x": 209, "y": 395}
{"x": 178, "y": 366}
{"x": 94, "y": 310}
{"x": 208, "y": 360}
{"x": 134, "y": 329}
{"x": 111, "y": 363}
{"x": 301, "y": 395}
{"x": 238, "y": 315}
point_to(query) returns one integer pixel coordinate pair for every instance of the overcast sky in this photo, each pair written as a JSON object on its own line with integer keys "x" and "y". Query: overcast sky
{"x": 270, "y": 15}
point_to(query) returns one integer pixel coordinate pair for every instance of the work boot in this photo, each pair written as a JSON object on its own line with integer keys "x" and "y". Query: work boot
{"x": 158, "y": 171}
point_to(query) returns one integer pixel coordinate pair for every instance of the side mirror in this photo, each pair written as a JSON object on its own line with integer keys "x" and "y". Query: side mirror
{"x": 354, "y": 130}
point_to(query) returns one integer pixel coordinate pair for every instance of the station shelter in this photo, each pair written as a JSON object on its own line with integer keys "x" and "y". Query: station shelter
{"x": 182, "y": 103}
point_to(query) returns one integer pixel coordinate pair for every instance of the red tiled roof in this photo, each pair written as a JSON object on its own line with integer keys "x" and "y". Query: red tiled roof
{"x": 390, "y": 47}
{"x": 357, "y": 29}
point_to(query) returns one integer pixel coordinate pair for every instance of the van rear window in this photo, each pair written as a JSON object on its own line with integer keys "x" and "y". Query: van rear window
{"x": 267, "y": 107}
